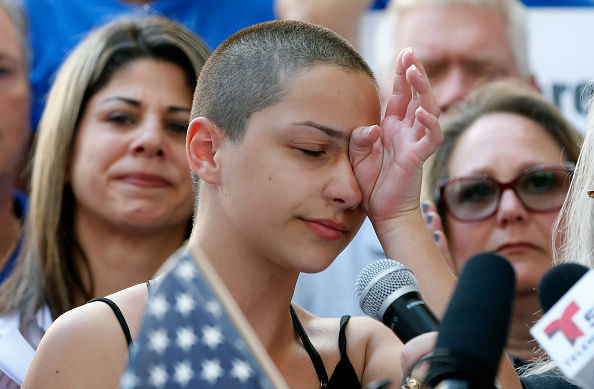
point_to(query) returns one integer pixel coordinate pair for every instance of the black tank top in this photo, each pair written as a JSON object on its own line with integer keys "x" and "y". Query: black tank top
{"x": 344, "y": 375}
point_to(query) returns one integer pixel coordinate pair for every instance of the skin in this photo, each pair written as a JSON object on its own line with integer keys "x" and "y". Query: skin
{"x": 14, "y": 129}
{"x": 460, "y": 47}
{"x": 502, "y": 145}
{"x": 129, "y": 173}
{"x": 322, "y": 188}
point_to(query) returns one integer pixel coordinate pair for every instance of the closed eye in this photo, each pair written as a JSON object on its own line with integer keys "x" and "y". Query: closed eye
{"x": 313, "y": 153}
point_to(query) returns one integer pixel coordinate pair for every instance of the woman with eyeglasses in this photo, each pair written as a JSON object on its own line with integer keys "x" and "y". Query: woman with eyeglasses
{"x": 497, "y": 184}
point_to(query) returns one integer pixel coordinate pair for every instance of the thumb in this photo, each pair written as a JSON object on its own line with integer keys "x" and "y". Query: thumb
{"x": 362, "y": 141}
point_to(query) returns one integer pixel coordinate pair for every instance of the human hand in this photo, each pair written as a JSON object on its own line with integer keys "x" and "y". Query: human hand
{"x": 435, "y": 226}
{"x": 413, "y": 352}
{"x": 388, "y": 160}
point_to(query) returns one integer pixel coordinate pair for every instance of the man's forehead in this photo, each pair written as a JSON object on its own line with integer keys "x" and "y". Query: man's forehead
{"x": 9, "y": 43}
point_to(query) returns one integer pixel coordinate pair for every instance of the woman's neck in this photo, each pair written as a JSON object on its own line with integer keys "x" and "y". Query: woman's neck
{"x": 119, "y": 259}
{"x": 520, "y": 342}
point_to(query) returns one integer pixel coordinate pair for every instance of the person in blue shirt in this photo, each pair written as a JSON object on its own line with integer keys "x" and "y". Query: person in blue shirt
{"x": 15, "y": 131}
{"x": 57, "y": 26}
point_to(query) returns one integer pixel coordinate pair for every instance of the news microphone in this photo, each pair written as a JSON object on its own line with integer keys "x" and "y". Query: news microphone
{"x": 388, "y": 291}
{"x": 566, "y": 331}
{"x": 474, "y": 329}
{"x": 557, "y": 281}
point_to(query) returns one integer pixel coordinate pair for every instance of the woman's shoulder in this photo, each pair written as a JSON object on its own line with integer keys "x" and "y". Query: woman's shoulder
{"x": 97, "y": 320}
{"x": 86, "y": 337}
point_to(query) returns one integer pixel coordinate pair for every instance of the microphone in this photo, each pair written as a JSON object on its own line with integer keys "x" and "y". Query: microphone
{"x": 388, "y": 291}
{"x": 557, "y": 281}
{"x": 566, "y": 331}
{"x": 474, "y": 328}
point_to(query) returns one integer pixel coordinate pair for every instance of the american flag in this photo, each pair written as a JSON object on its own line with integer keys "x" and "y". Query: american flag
{"x": 188, "y": 341}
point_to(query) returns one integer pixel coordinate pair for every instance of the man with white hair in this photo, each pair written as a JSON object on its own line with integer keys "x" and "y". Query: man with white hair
{"x": 461, "y": 43}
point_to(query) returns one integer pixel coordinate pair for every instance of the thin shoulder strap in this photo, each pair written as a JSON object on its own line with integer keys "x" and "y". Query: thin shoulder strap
{"x": 149, "y": 286}
{"x": 313, "y": 353}
{"x": 116, "y": 310}
{"x": 342, "y": 337}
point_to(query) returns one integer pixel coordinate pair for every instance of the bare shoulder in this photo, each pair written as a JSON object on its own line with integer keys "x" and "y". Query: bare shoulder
{"x": 377, "y": 348}
{"x": 87, "y": 345}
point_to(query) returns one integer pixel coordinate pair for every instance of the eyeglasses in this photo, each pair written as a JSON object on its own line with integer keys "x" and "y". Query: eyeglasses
{"x": 474, "y": 198}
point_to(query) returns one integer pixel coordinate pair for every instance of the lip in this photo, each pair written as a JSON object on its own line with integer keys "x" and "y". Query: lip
{"x": 515, "y": 247}
{"x": 145, "y": 180}
{"x": 328, "y": 229}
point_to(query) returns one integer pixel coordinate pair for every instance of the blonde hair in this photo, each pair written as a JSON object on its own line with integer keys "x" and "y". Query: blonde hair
{"x": 46, "y": 272}
{"x": 574, "y": 226}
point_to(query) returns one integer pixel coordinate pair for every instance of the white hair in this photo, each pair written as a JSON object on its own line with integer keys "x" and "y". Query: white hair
{"x": 386, "y": 47}
{"x": 573, "y": 230}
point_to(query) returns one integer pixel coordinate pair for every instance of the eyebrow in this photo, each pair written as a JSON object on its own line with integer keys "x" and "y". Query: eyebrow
{"x": 332, "y": 133}
{"x": 137, "y": 103}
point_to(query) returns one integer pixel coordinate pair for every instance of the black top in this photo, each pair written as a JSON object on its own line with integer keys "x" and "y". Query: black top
{"x": 344, "y": 375}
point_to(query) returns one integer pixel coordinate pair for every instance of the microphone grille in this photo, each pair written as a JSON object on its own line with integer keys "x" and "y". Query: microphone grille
{"x": 379, "y": 280}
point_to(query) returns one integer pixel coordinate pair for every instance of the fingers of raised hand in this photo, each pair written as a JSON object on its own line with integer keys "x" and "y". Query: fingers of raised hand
{"x": 419, "y": 82}
{"x": 428, "y": 133}
{"x": 401, "y": 91}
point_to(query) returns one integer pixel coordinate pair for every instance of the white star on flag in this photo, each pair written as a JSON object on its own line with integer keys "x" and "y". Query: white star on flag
{"x": 186, "y": 271}
{"x": 214, "y": 307}
{"x": 158, "y": 341}
{"x": 129, "y": 380}
{"x": 183, "y": 373}
{"x": 211, "y": 370}
{"x": 186, "y": 338}
{"x": 158, "y": 376}
{"x": 212, "y": 336}
{"x": 159, "y": 306}
{"x": 184, "y": 304}
{"x": 241, "y": 370}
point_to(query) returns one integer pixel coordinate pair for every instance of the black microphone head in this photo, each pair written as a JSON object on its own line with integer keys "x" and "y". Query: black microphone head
{"x": 557, "y": 281}
{"x": 474, "y": 329}
{"x": 380, "y": 283}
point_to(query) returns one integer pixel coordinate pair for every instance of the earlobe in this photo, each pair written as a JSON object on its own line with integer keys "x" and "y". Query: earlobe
{"x": 202, "y": 141}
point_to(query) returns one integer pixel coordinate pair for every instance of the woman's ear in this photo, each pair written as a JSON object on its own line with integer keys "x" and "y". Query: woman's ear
{"x": 202, "y": 142}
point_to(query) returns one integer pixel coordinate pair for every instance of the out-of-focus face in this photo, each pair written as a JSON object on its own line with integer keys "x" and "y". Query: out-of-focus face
{"x": 460, "y": 47}
{"x": 14, "y": 102}
{"x": 502, "y": 145}
{"x": 129, "y": 169}
{"x": 288, "y": 192}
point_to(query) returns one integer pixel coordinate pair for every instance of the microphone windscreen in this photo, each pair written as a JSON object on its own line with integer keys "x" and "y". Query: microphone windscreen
{"x": 557, "y": 281}
{"x": 475, "y": 326}
{"x": 379, "y": 280}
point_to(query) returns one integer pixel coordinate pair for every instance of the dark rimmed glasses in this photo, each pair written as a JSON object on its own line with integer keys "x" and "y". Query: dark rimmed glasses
{"x": 473, "y": 198}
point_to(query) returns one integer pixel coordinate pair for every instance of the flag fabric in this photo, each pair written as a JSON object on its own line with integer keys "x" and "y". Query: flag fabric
{"x": 187, "y": 340}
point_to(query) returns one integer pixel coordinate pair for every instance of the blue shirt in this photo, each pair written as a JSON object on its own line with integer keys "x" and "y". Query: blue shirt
{"x": 56, "y": 26}
{"x": 21, "y": 205}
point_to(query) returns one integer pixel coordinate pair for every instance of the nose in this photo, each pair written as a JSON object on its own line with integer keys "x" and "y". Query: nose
{"x": 148, "y": 139}
{"x": 342, "y": 189}
{"x": 511, "y": 210}
{"x": 453, "y": 86}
